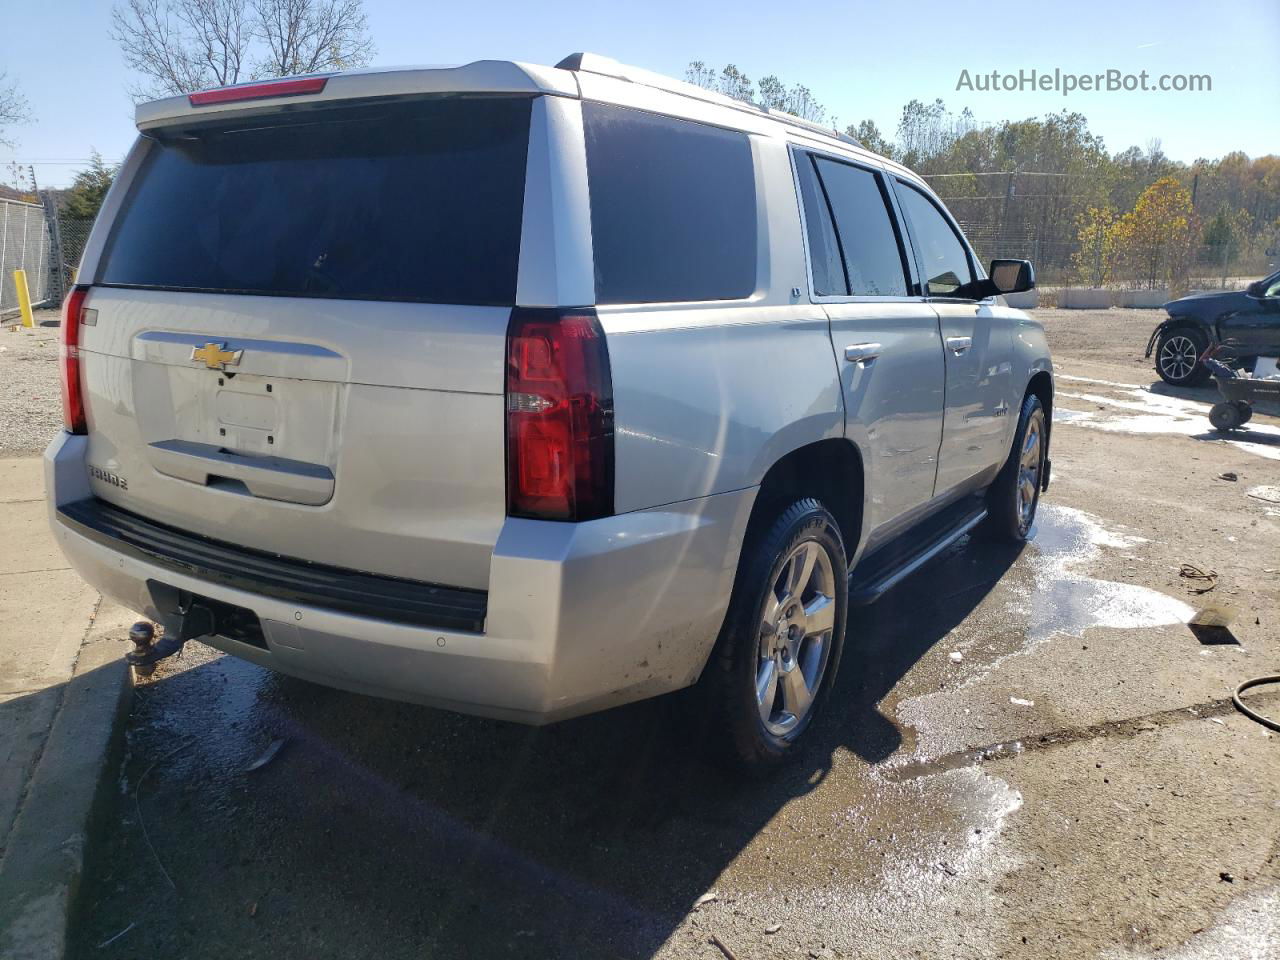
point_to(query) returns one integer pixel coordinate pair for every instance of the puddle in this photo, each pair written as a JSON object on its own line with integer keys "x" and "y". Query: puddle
{"x": 876, "y": 873}
{"x": 1141, "y": 411}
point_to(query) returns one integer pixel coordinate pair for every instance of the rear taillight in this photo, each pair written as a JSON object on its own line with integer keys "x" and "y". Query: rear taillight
{"x": 559, "y": 416}
{"x": 73, "y": 420}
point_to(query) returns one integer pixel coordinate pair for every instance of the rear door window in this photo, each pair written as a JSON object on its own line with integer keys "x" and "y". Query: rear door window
{"x": 824, "y": 247}
{"x": 943, "y": 256}
{"x": 673, "y": 208}
{"x": 868, "y": 242}
{"x": 418, "y": 201}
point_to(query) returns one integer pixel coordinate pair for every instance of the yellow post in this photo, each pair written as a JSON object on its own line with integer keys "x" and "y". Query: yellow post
{"x": 24, "y": 297}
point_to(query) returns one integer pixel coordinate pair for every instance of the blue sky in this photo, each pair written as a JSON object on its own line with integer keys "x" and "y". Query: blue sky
{"x": 860, "y": 59}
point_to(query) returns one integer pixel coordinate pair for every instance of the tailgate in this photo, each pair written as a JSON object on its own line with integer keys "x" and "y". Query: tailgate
{"x": 300, "y": 335}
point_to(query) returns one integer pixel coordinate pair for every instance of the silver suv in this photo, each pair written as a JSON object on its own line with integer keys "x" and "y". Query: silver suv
{"x": 529, "y": 391}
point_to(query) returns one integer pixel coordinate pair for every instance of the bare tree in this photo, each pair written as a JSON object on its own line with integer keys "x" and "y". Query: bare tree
{"x": 770, "y": 91}
{"x": 304, "y": 36}
{"x": 801, "y": 103}
{"x": 13, "y": 107}
{"x": 700, "y": 75}
{"x": 183, "y": 45}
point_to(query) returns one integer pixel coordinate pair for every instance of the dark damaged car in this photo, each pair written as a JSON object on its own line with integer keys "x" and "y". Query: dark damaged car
{"x": 1249, "y": 318}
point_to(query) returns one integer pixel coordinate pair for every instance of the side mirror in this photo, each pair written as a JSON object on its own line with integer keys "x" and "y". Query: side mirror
{"x": 1012, "y": 276}
{"x": 1255, "y": 289}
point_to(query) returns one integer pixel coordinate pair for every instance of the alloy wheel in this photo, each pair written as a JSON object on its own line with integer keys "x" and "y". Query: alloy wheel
{"x": 1178, "y": 357}
{"x": 795, "y": 638}
{"x": 1029, "y": 469}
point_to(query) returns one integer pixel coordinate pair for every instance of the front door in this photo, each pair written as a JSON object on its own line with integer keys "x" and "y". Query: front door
{"x": 1256, "y": 326}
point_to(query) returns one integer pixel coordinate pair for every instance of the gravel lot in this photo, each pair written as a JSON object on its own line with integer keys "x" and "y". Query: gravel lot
{"x": 30, "y": 408}
{"x": 1074, "y": 784}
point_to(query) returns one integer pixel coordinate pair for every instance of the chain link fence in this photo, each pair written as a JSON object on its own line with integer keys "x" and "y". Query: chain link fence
{"x": 24, "y": 245}
{"x": 73, "y": 234}
{"x": 43, "y": 241}
{"x": 1035, "y": 217}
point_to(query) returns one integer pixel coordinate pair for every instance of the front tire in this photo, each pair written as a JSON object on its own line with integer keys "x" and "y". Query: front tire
{"x": 1178, "y": 354}
{"x": 779, "y": 649}
{"x": 1014, "y": 496}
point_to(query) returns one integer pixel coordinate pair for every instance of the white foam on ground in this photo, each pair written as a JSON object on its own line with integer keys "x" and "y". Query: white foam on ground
{"x": 1141, "y": 411}
{"x": 1067, "y": 600}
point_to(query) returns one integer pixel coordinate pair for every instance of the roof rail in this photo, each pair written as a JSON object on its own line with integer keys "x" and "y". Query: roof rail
{"x": 608, "y": 67}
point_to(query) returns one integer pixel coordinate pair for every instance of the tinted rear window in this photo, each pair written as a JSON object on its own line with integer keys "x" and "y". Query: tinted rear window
{"x": 872, "y": 260}
{"x": 413, "y": 201}
{"x": 673, "y": 208}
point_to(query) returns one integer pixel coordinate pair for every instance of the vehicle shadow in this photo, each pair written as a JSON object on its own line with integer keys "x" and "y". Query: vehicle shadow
{"x": 389, "y": 829}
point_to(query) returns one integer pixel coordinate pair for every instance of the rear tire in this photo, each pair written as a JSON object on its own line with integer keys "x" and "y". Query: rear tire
{"x": 1013, "y": 498}
{"x": 779, "y": 649}
{"x": 1178, "y": 354}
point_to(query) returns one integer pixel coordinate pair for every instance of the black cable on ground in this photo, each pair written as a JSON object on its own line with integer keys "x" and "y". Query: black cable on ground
{"x": 1250, "y": 713}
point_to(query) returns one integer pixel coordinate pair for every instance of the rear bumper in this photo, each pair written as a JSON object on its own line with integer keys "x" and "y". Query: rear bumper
{"x": 580, "y": 617}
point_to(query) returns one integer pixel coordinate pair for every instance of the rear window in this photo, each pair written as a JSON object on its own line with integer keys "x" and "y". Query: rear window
{"x": 673, "y": 208}
{"x": 416, "y": 201}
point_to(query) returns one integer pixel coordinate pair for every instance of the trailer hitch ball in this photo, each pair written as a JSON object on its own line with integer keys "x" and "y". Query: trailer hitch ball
{"x": 142, "y": 634}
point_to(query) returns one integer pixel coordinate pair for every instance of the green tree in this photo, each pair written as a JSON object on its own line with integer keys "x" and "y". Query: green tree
{"x": 1095, "y": 260}
{"x": 86, "y": 193}
{"x": 869, "y": 135}
{"x": 736, "y": 84}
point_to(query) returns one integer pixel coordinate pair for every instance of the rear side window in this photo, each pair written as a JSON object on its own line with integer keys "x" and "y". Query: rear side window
{"x": 673, "y": 208}
{"x": 943, "y": 257}
{"x": 824, "y": 249}
{"x": 416, "y": 201}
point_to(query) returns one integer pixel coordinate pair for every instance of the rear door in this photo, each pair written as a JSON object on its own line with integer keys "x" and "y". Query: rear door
{"x": 885, "y": 336}
{"x": 300, "y": 332}
{"x": 977, "y": 343}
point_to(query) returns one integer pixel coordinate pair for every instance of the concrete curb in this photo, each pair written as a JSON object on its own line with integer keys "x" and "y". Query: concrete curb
{"x": 44, "y": 858}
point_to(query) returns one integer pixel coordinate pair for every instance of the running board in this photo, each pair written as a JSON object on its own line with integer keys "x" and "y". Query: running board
{"x": 878, "y": 574}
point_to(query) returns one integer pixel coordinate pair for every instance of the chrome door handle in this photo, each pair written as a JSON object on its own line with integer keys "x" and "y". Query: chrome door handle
{"x": 959, "y": 345}
{"x": 862, "y": 353}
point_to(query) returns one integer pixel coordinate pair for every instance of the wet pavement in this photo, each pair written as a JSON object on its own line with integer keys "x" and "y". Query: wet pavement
{"x": 1073, "y": 783}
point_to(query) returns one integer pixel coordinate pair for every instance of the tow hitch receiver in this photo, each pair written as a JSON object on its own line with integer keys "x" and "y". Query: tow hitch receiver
{"x": 183, "y": 618}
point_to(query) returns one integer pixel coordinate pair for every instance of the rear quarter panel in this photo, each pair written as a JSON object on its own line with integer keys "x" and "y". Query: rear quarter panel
{"x": 708, "y": 396}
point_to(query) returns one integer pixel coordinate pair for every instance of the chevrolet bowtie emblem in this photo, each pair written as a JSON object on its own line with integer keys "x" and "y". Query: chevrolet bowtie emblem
{"x": 216, "y": 356}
